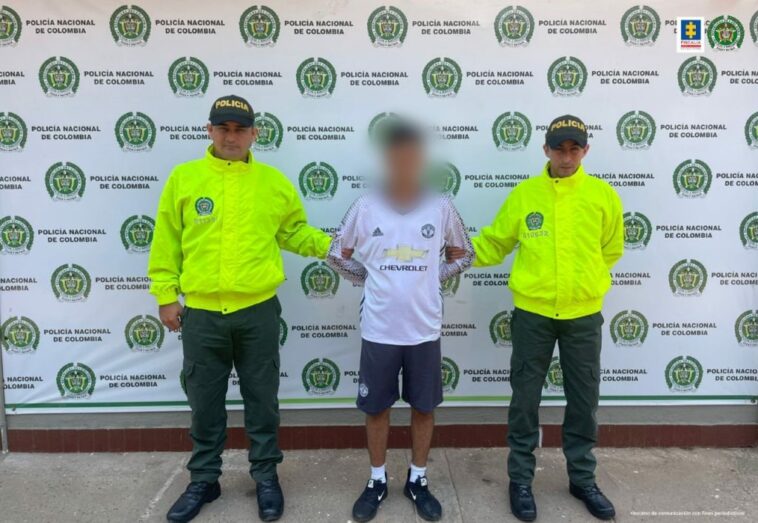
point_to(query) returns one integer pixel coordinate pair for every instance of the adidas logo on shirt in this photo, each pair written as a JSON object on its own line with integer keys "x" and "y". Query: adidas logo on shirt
{"x": 377, "y": 232}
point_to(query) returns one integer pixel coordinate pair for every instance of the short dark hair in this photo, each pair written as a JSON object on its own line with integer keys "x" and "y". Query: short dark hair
{"x": 399, "y": 131}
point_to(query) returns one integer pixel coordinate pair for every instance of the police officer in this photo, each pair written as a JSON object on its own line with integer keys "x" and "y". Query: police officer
{"x": 221, "y": 222}
{"x": 569, "y": 227}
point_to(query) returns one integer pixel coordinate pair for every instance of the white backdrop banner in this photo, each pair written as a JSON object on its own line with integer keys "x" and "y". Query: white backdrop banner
{"x": 98, "y": 100}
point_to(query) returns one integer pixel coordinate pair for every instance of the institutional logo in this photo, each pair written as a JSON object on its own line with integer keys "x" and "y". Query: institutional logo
{"x": 19, "y": 335}
{"x": 500, "y": 329}
{"x": 754, "y": 28}
{"x": 635, "y": 130}
{"x": 684, "y": 374}
{"x": 137, "y": 233}
{"x": 12, "y": 132}
{"x": 640, "y": 26}
{"x": 725, "y": 33}
{"x": 65, "y": 181}
{"x": 10, "y": 26}
{"x": 511, "y": 131}
{"x": 637, "y": 230}
{"x": 446, "y": 178}
{"x": 751, "y": 130}
{"x": 450, "y": 375}
{"x": 442, "y": 78}
{"x": 692, "y": 179}
{"x": 321, "y": 376}
{"x": 387, "y": 27}
{"x": 130, "y": 25}
{"x": 629, "y": 329}
{"x": 405, "y": 253}
{"x": 697, "y": 76}
{"x": 59, "y": 76}
{"x": 746, "y": 328}
{"x": 318, "y": 181}
{"x": 749, "y": 231}
{"x": 567, "y": 77}
{"x": 690, "y": 36}
{"x": 71, "y": 283}
{"x": 75, "y": 380}
{"x": 514, "y": 26}
{"x": 282, "y": 332}
{"x": 259, "y": 26}
{"x": 135, "y": 131}
{"x": 554, "y": 378}
{"x": 16, "y": 235}
{"x": 449, "y": 287}
{"x": 316, "y": 78}
{"x": 188, "y": 76}
{"x": 688, "y": 278}
{"x": 270, "y": 132}
{"x": 204, "y": 206}
{"x": 144, "y": 333}
{"x": 534, "y": 220}
{"x": 319, "y": 280}
{"x": 377, "y": 124}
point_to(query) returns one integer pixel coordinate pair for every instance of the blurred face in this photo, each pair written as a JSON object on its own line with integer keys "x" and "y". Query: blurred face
{"x": 566, "y": 158}
{"x": 405, "y": 163}
{"x": 232, "y": 141}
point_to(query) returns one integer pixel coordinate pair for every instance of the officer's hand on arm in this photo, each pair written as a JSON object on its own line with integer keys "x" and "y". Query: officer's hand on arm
{"x": 347, "y": 253}
{"x": 170, "y": 315}
{"x": 454, "y": 253}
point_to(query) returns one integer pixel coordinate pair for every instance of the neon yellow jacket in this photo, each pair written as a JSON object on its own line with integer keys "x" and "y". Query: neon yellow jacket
{"x": 570, "y": 233}
{"x": 218, "y": 232}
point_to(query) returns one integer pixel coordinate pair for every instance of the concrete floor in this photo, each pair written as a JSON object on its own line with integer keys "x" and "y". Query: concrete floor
{"x": 700, "y": 485}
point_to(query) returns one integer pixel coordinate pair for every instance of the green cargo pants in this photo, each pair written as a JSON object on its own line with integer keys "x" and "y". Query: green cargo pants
{"x": 579, "y": 341}
{"x": 247, "y": 339}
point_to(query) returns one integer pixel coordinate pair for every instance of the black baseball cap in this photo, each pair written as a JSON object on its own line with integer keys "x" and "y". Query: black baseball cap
{"x": 232, "y": 108}
{"x": 566, "y": 127}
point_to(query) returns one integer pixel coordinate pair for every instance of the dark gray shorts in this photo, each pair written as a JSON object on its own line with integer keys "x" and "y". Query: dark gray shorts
{"x": 378, "y": 381}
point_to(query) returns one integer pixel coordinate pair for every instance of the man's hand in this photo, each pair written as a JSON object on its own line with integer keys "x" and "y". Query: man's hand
{"x": 347, "y": 253}
{"x": 454, "y": 253}
{"x": 170, "y": 314}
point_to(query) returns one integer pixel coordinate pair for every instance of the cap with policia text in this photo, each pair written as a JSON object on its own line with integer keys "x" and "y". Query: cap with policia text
{"x": 564, "y": 128}
{"x": 232, "y": 109}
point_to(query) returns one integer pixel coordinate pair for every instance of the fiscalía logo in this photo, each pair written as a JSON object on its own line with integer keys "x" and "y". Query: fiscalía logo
{"x": 442, "y": 78}
{"x": 204, "y": 206}
{"x": 514, "y": 26}
{"x": 59, "y": 76}
{"x": 16, "y": 235}
{"x": 449, "y": 287}
{"x": 637, "y": 230}
{"x": 726, "y": 33}
{"x": 500, "y": 329}
{"x": 387, "y": 27}
{"x": 188, "y": 76}
{"x": 19, "y": 335}
{"x": 75, "y": 380}
{"x": 534, "y": 220}
{"x": 259, "y": 26}
{"x": 692, "y": 179}
{"x": 270, "y": 132}
{"x": 144, "y": 333}
{"x": 446, "y": 178}
{"x": 135, "y": 131}
{"x": 137, "y": 233}
{"x": 321, "y": 376}
{"x": 316, "y": 78}
{"x": 130, "y": 25}
{"x": 688, "y": 278}
{"x": 450, "y": 375}
{"x": 10, "y": 26}
{"x": 690, "y": 37}
{"x": 12, "y": 132}
{"x": 65, "y": 181}
{"x": 746, "y": 328}
{"x": 71, "y": 282}
{"x": 751, "y": 131}
{"x": 511, "y": 131}
{"x": 318, "y": 181}
{"x": 640, "y": 25}
{"x": 554, "y": 378}
{"x": 697, "y": 76}
{"x": 282, "y": 332}
{"x": 749, "y": 231}
{"x": 567, "y": 76}
{"x": 635, "y": 130}
{"x": 629, "y": 328}
{"x": 684, "y": 374}
{"x": 319, "y": 280}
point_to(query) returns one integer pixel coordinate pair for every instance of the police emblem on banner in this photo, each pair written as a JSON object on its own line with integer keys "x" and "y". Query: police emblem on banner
{"x": 387, "y": 27}
{"x": 687, "y": 278}
{"x": 749, "y": 231}
{"x": 12, "y": 132}
{"x": 270, "y": 132}
{"x": 316, "y": 78}
{"x": 629, "y": 329}
{"x": 442, "y": 78}
{"x": 514, "y": 26}
{"x": 59, "y": 76}
{"x": 697, "y": 76}
{"x": 10, "y": 26}
{"x": 75, "y": 381}
{"x": 754, "y": 28}
{"x": 377, "y": 124}
{"x": 635, "y": 130}
{"x": 65, "y": 181}
{"x": 450, "y": 375}
{"x": 684, "y": 374}
{"x": 725, "y": 33}
{"x": 445, "y": 178}
{"x": 637, "y": 230}
{"x": 282, "y": 332}
{"x": 71, "y": 282}
{"x": 188, "y": 76}
{"x": 692, "y": 179}
{"x": 137, "y": 233}
{"x": 318, "y": 181}
{"x": 640, "y": 25}
{"x": 318, "y": 280}
{"x": 19, "y": 335}
{"x": 144, "y": 333}
{"x": 751, "y": 131}
{"x": 746, "y": 328}
{"x": 554, "y": 378}
{"x": 130, "y": 25}
{"x": 567, "y": 77}
{"x": 500, "y": 329}
{"x": 16, "y": 235}
{"x": 259, "y": 26}
{"x": 511, "y": 131}
{"x": 321, "y": 376}
{"x": 449, "y": 287}
{"x": 135, "y": 132}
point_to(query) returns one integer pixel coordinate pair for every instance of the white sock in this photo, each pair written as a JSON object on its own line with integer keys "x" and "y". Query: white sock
{"x": 417, "y": 472}
{"x": 377, "y": 474}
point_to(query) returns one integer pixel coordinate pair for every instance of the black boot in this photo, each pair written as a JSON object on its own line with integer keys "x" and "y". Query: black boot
{"x": 596, "y": 502}
{"x": 197, "y": 494}
{"x": 270, "y": 499}
{"x": 522, "y": 501}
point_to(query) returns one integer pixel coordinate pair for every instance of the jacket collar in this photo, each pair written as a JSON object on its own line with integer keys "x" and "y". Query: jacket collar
{"x": 570, "y": 181}
{"x": 226, "y": 165}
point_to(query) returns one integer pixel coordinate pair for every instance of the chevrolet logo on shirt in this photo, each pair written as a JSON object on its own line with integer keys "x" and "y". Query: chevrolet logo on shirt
{"x": 404, "y": 253}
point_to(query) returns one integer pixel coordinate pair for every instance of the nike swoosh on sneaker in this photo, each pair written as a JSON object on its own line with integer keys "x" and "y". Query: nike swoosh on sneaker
{"x": 413, "y": 494}
{"x": 380, "y": 496}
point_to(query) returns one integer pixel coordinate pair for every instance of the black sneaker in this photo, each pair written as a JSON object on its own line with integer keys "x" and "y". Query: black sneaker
{"x": 365, "y": 507}
{"x": 426, "y": 504}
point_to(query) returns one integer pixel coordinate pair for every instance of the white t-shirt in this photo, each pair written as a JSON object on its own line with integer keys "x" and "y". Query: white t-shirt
{"x": 400, "y": 259}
